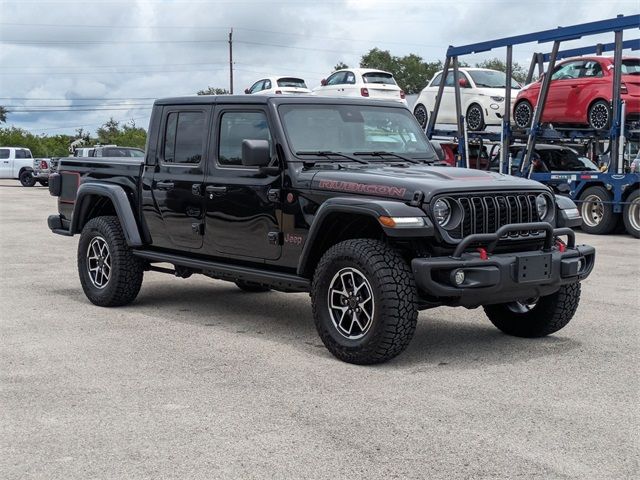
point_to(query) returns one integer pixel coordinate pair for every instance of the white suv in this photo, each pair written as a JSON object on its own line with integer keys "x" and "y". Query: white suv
{"x": 482, "y": 94}
{"x": 361, "y": 82}
{"x": 278, "y": 85}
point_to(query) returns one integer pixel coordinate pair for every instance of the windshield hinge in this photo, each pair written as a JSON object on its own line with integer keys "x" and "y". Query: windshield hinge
{"x": 416, "y": 201}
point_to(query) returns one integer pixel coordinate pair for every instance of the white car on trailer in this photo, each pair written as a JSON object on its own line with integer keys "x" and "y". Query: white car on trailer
{"x": 286, "y": 85}
{"x": 361, "y": 82}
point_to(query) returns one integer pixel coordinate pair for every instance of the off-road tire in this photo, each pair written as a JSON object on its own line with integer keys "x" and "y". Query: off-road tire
{"x": 126, "y": 269}
{"x": 394, "y": 298}
{"x": 608, "y": 219}
{"x": 599, "y": 115}
{"x": 26, "y": 178}
{"x": 477, "y": 123}
{"x": 630, "y": 214}
{"x": 250, "y": 287}
{"x": 523, "y": 114}
{"x": 421, "y": 114}
{"x": 550, "y": 314}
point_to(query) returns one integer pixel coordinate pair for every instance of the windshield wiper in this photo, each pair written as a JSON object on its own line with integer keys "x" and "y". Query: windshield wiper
{"x": 382, "y": 154}
{"x": 328, "y": 154}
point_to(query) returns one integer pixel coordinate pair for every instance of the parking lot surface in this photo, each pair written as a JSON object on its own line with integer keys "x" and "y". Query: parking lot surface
{"x": 197, "y": 379}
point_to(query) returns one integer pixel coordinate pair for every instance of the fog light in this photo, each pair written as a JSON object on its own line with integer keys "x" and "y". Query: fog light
{"x": 458, "y": 277}
{"x": 580, "y": 265}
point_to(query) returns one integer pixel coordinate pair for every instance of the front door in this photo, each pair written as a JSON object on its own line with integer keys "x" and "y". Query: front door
{"x": 178, "y": 178}
{"x": 5, "y": 163}
{"x": 242, "y": 204}
{"x": 564, "y": 79}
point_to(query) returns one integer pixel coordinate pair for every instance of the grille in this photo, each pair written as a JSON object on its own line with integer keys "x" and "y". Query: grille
{"x": 486, "y": 213}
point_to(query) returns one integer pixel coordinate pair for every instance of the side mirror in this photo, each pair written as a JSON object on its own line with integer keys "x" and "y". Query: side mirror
{"x": 255, "y": 153}
{"x": 323, "y": 82}
{"x": 247, "y": 91}
{"x": 463, "y": 82}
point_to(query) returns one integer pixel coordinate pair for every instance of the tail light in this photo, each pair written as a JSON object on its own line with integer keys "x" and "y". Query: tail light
{"x": 402, "y": 94}
{"x": 623, "y": 88}
{"x": 278, "y": 92}
{"x": 43, "y": 165}
{"x": 364, "y": 92}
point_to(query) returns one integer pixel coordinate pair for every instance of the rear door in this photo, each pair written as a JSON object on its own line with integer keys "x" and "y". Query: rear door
{"x": 5, "y": 163}
{"x": 243, "y": 212}
{"x": 179, "y": 176}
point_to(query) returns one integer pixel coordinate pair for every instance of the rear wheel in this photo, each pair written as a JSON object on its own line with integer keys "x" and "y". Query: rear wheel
{"x": 251, "y": 287}
{"x": 475, "y": 118}
{"x": 109, "y": 272}
{"x": 364, "y": 301}
{"x": 523, "y": 114}
{"x": 536, "y": 317}
{"x": 26, "y": 178}
{"x": 596, "y": 211}
{"x": 599, "y": 116}
{"x": 631, "y": 214}
{"x": 421, "y": 114}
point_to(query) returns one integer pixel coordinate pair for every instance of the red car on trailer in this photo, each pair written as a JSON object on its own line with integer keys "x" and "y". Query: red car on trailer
{"x": 580, "y": 93}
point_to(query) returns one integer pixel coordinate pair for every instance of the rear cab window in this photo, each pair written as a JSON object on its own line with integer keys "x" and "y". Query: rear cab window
{"x": 5, "y": 153}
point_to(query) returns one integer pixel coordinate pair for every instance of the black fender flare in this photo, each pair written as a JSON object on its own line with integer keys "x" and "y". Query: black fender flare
{"x": 118, "y": 198}
{"x": 371, "y": 207}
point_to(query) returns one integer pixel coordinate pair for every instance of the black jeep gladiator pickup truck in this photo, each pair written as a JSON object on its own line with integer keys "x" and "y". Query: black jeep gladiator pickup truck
{"x": 338, "y": 198}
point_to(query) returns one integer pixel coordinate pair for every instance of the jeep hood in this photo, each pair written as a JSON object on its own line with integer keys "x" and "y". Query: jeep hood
{"x": 402, "y": 182}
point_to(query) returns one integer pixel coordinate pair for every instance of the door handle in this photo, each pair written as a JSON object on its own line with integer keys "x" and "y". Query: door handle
{"x": 216, "y": 190}
{"x": 164, "y": 185}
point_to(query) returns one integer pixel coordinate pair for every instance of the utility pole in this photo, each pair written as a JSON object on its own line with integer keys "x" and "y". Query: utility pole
{"x": 231, "y": 61}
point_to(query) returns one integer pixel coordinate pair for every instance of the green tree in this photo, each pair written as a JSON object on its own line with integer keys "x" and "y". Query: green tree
{"x": 40, "y": 145}
{"x": 519, "y": 73}
{"x": 3, "y": 114}
{"x": 340, "y": 66}
{"x": 127, "y": 135}
{"x": 411, "y": 72}
{"x": 213, "y": 91}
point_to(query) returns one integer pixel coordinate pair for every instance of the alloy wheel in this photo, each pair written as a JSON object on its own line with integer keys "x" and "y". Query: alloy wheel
{"x": 351, "y": 303}
{"x": 523, "y": 115}
{"x": 474, "y": 118}
{"x": 599, "y": 116}
{"x": 99, "y": 262}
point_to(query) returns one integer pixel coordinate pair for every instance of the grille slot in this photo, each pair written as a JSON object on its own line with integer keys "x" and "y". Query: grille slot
{"x": 486, "y": 213}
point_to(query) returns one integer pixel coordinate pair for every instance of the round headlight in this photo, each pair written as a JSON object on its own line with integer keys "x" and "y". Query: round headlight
{"x": 442, "y": 212}
{"x": 542, "y": 205}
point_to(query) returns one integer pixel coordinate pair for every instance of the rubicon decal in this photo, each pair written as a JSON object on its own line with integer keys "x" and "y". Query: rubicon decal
{"x": 373, "y": 189}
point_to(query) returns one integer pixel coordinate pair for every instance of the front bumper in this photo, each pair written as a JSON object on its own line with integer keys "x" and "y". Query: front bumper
{"x": 505, "y": 277}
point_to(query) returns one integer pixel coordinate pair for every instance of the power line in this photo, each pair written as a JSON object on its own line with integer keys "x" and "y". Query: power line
{"x": 78, "y": 110}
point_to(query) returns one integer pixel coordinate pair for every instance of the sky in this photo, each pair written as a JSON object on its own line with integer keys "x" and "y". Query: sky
{"x": 68, "y": 64}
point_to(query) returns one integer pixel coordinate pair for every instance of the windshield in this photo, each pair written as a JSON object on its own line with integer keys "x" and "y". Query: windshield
{"x": 291, "y": 82}
{"x": 378, "y": 77}
{"x": 631, "y": 66}
{"x": 354, "y": 128}
{"x": 491, "y": 79}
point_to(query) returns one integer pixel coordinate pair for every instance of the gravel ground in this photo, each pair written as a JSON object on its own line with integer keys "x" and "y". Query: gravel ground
{"x": 199, "y": 380}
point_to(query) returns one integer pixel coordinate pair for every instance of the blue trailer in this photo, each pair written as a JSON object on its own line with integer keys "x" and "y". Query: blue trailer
{"x": 602, "y": 197}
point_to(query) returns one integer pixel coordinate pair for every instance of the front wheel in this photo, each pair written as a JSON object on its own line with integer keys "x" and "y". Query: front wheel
{"x": 26, "y": 179}
{"x": 597, "y": 212}
{"x": 475, "y": 118}
{"x": 364, "y": 301}
{"x": 421, "y": 114}
{"x": 109, "y": 272}
{"x": 536, "y": 317}
{"x": 631, "y": 214}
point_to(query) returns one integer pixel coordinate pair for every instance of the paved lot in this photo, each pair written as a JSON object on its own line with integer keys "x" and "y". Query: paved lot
{"x": 199, "y": 380}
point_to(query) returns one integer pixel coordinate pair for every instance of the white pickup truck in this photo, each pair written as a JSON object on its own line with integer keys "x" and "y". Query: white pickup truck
{"x": 17, "y": 162}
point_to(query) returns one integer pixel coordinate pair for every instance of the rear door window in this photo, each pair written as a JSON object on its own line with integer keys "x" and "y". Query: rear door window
{"x": 184, "y": 137}
{"x": 4, "y": 153}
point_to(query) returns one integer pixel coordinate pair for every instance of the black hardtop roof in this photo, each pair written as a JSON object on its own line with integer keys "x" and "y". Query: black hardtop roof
{"x": 275, "y": 99}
